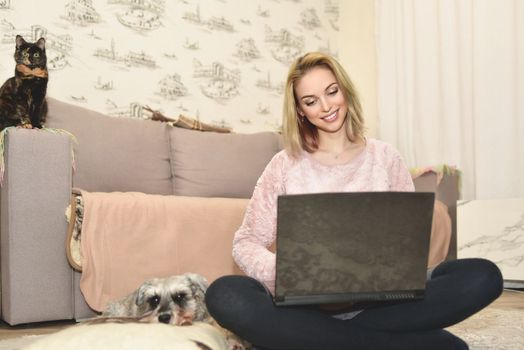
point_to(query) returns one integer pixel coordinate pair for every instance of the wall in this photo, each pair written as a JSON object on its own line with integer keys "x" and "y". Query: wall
{"x": 357, "y": 54}
{"x": 222, "y": 61}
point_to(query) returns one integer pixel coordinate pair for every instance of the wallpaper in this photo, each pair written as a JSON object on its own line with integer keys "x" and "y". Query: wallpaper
{"x": 223, "y": 62}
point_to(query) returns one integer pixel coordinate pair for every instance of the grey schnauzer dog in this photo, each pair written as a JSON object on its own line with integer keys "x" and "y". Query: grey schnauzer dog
{"x": 176, "y": 300}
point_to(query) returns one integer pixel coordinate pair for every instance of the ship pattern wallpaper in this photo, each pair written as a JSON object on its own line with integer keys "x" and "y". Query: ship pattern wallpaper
{"x": 223, "y": 62}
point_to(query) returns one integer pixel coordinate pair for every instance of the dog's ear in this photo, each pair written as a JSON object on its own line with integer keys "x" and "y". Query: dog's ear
{"x": 197, "y": 282}
{"x": 141, "y": 292}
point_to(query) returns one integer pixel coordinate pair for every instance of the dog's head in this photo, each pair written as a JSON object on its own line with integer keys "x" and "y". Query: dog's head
{"x": 177, "y": 300}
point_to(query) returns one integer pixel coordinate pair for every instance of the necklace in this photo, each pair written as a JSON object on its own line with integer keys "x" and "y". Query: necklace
{"x": 338, "y": 154}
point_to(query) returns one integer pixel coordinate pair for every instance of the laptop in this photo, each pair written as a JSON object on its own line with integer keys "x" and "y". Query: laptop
{"x": 352, "y": 247}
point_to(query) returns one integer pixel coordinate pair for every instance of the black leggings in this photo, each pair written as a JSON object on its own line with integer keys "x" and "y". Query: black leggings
{"x": 456, "y": 290}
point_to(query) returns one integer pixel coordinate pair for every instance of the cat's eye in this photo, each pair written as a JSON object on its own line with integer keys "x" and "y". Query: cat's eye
{"x": 25, "y": 54}
{"x": 36, "y": 54}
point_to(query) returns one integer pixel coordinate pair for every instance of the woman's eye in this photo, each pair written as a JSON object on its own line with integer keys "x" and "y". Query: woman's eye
{"x": 332, "y": 92}
{"x": 310, "y": 102}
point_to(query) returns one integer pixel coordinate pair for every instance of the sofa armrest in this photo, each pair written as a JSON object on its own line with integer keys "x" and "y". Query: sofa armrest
{"x": 36, "y": 278}
{"x": 447, "y": 191}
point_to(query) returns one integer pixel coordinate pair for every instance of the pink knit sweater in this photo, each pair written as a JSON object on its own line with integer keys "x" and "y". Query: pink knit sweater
{"x": 379, "y": 167}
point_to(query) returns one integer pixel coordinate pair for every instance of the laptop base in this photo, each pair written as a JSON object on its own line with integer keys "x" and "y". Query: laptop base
{"x": 355, "y": 297}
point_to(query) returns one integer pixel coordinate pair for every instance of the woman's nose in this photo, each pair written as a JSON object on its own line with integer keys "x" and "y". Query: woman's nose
{"x": 324, "y": 104}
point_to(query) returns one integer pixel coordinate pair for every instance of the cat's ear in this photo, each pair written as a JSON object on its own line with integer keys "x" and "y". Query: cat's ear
{"x": 19, "y": 41}
{"x": 41, "y": 44}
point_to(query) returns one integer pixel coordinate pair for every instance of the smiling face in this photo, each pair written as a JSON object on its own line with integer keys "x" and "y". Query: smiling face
{"x": 320, "y": 100}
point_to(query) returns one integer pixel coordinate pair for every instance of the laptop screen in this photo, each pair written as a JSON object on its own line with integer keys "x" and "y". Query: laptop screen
{"x": 347, "y": 247}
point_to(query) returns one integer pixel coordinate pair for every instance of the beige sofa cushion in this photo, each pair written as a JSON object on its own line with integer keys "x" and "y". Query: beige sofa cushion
{"x": 209, "y": 164}
{"x": 115, "y": 154}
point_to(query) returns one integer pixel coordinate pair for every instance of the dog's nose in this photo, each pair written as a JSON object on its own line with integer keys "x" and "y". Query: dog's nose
{"x": 165, "y": 318}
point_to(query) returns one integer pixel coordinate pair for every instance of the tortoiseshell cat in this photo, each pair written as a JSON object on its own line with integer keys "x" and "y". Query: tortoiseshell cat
{"x": 22, "y": 97}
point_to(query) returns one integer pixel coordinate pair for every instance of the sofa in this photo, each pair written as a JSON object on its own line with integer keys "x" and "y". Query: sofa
{"x": 211, "y": 174}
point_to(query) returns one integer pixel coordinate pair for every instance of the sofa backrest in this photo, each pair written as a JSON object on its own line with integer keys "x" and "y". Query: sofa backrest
{"x": 123, "y": 154}
{"x": 115, "y": 154}
{"x": 209, "y": 164}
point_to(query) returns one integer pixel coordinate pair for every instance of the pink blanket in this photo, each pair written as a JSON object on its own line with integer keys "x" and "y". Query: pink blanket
{"x": 128, "y": 238}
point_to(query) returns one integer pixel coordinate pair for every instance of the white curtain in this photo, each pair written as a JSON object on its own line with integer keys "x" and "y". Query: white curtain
{"x": 451, "y": 88}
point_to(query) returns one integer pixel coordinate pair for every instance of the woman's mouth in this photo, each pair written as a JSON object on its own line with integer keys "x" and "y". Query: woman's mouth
{"x": 330, "y": 117}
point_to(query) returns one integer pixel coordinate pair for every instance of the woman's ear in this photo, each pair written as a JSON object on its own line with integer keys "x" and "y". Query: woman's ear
{"x": 301, "y": 116}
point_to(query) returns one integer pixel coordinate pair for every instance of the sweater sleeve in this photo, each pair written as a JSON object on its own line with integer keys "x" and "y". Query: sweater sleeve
{"x": 258, "y": 230}
{"x": 399, "y": 176}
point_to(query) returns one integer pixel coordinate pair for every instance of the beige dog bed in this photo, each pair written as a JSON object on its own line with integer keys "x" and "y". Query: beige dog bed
{"x": 133, "y": 336}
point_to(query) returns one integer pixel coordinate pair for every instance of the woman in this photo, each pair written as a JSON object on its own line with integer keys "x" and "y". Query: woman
{"x": 326, "y": 151}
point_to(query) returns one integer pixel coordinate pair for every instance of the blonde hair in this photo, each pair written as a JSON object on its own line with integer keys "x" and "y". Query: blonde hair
{"x": 298, "y": 133}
